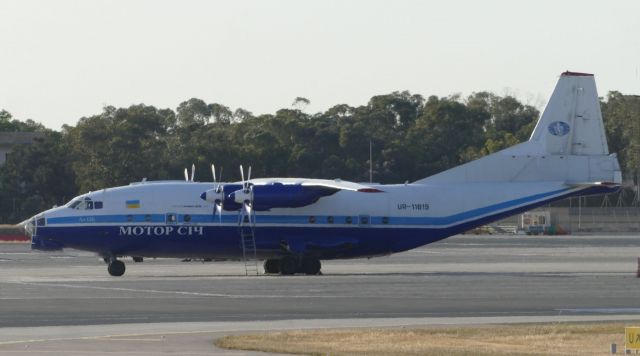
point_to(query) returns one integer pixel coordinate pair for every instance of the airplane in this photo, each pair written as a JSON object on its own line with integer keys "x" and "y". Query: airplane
{"x": 292, "y": 224}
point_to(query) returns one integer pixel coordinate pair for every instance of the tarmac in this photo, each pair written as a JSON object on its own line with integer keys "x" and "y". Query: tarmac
{"x": 66, "y": 303}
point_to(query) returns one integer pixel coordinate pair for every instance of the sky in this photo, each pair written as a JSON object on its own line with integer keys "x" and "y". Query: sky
{"x": 63, "y": 60}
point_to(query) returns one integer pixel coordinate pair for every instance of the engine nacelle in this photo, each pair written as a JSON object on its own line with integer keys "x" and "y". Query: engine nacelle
{"x": 221, "y": 195}
{"x": 278, "y": 195}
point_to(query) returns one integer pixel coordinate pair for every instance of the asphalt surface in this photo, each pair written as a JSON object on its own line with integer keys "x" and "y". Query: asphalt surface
{"x": 463, "y": 276}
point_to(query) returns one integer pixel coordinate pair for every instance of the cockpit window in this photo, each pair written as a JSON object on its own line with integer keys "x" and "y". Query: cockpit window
{"x": 75, "y": 203}
{"x": 85, "y": 204}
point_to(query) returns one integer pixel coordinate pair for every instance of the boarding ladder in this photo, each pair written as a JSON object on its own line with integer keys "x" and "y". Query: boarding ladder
{"x": 246, "y": 227}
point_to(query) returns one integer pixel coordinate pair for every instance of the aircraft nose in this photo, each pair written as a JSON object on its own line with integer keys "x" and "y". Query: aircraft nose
{"x": 36, "y": 228}
{"x": 27, "y": 226}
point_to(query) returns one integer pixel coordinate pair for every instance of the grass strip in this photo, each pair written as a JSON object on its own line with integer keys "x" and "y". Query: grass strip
{"x": 513, "y": 339}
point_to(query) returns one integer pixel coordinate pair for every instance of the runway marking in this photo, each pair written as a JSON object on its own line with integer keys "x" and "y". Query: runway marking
{"x": 119, "y": 337}
{"x": 602, "y": 310}
{"x": 294, "y": 324}
{"x": 197, "y": 294}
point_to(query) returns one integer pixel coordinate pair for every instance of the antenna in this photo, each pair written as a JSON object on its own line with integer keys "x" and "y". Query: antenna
{"x": 370, "y": 161}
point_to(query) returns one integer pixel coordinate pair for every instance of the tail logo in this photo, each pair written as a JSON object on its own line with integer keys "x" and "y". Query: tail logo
{"x": 559, "y": 128}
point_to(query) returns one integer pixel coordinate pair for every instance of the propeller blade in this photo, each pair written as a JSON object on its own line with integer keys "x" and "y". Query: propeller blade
{"x": 247, "y": 208}
{"x": 186, "y": 174}
{"x": 193, "y": 171}
{"x": 219, "y": 211}
{"x": 242, "y": 175}
{"x": 213, "y": 172}
{"x": 245, "y": 183}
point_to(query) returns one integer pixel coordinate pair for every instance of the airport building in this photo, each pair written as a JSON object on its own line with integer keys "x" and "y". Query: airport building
{"x": 8, "y": 140}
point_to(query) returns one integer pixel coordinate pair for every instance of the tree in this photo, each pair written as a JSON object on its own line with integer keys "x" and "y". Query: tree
{"x": 121, "y": 146}
{"x": 621, "y": 116}
{"x": 8, "y": 124}
{"x": 300, "y": 103}
{"x": 193, "y": 112}
{"x": 36, "y": 177}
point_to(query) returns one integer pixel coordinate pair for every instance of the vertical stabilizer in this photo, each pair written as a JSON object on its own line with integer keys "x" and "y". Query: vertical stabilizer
{"x": 571, "y": 124}
{"x": 567, "y": 145}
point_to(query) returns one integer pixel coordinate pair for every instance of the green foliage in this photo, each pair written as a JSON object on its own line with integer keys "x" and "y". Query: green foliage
{"x": 36, "y": 177}
{"x": 411, "y": 137}
{"x": 8, "y": 124}
{"x": 621, "y": 114}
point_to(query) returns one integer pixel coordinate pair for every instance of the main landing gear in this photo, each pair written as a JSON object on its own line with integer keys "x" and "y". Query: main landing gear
{"x": 291, "y": 264}
{"x": 115, "y": 267}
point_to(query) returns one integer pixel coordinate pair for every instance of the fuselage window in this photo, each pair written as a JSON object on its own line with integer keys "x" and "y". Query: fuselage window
{"x": 330, "y": 219}
{"x": 171, "y": 218}
{"x": 312, "y": 219}
{"x": 97, "y": 205}
{"x": 187, "y": 218}
{"x": 129, "y": 218}
{"x": 364, "y": 220}
{"x": 89, "y": 205}
{"x": 385, "y": 220}
{"x": 348, "y": 220}
{"x": 147, "y": 217}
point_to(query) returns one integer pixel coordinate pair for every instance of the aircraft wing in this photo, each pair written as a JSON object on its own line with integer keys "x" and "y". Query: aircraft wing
{"x": 592, "y": 184}
{"x": 319, "y": 183}
{"x": 268, "y": 193}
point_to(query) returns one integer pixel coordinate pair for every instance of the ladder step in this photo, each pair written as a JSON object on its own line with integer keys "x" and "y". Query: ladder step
{"x": 246, "y": 224}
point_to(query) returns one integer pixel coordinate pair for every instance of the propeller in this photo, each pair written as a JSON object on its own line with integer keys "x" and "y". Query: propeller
{"x": 219, "y": 189}
{"x": 193, "y": 173}
{"x": 247, "y": 198}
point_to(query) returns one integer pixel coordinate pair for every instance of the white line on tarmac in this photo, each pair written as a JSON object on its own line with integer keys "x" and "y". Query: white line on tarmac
{"x": 198, "y": 294}
{"x": 19, "y": 335}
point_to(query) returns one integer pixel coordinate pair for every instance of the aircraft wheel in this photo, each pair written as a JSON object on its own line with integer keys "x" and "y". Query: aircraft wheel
{"x": 288, "y": 265}
{"x": 271, "y": 266}
{"x": 311, "y": 266}
{"x": 116, "y": 268}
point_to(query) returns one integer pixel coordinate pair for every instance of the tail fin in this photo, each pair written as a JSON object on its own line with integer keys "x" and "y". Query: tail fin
{"x": 571, "y": 124}
{"x": 567, "y": 145}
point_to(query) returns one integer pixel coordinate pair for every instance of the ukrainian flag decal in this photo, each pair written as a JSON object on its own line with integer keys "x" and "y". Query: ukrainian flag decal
{"x": 133, "y": 204}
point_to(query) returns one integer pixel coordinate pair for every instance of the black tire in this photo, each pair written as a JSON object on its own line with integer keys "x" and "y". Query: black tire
{"x": 271, "y": 266}
{"x": 116, "y": 268}
{"x": 288, "y": 265}
{"x": 311, "y": 266}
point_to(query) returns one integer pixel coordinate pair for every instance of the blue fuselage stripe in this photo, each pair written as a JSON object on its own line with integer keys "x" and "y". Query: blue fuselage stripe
{"x": 305, "y": 219}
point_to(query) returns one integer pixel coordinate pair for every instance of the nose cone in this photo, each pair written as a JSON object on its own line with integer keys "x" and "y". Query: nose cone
{"x": 41, "y": 239}
{"x": 203, "y": 196}
{"x": 27, "y": 226}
